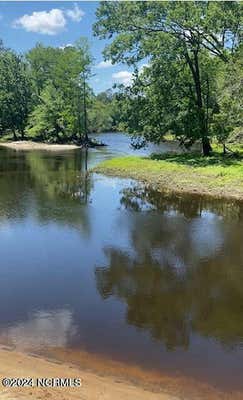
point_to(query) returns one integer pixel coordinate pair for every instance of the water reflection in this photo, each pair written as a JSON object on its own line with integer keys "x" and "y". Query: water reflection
{"x": 45, "y": 186}
{"x": 44, "y": 329}
{"x": 140, "y": 198}
{"x": 183, "y": 277}
{"x": 113, "y": 267}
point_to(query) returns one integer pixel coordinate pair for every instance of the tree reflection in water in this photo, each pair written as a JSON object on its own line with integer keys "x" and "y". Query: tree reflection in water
{"x": 49, "y": 186}
{"x": 177, "y": 282}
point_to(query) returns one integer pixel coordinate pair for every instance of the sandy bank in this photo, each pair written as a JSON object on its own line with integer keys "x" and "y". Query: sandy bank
{"x": 28, "y": 145}
{"x": 100, "y": 380}
{"x": 94, "y": 387}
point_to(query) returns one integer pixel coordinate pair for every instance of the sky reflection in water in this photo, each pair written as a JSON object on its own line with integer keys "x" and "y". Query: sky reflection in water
{"x": 106, "y": 265}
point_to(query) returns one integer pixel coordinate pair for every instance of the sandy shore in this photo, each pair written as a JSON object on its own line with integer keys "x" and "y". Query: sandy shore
{"x": 100, "y": 380}
{"x": 93, "y": 386}
{"x": 28, "y": 145}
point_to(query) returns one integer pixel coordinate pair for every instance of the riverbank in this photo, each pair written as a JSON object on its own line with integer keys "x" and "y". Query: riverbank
{"x": 99, "y": 379}
{"x": 93, "y": 386}
{"x": 29, "y": 145}
{"x": 216, "y": 176}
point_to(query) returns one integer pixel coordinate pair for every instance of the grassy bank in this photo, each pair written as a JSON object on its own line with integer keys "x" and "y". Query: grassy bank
{"x": 218, "y": 176}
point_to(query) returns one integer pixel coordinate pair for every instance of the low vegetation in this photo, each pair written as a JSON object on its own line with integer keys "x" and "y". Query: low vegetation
{"x": 217, "y": 176}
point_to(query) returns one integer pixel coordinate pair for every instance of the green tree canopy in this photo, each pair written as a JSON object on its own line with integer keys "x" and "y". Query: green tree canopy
{"x": 59, "y": 77}
{"x": 183, "y": 40}
{"x": 15, "y": 92}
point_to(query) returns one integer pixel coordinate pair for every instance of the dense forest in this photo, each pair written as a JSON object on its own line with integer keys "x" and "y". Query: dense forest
{"x": 189, "y": 86}
{"x": 45, "y": 94}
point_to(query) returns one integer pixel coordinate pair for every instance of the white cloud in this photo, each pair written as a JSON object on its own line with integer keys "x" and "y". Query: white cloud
{"x": 76, "y": 14}
{"x": 104, "y": 64}
{"x": 124, "y": 77}
{"x": 66, "y": 45}
{"x": 48, "y": 22}
{"x": 44, "y": 22}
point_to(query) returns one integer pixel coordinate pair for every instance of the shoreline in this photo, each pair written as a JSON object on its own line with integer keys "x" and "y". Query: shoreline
{"x": 101, "y": 378}
{"x": 30, "y": 145}
{"x": 218, "y": 182}
{"x": 93, "y": 386}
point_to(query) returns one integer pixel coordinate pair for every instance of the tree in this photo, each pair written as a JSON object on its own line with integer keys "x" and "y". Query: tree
{"x": 48, "y": 118}
{"x": 15, "y": 92}
{"x": 60, "y": 79}
{"x": 187, "y": 31}
{"x": 103, "y": 114}
{"x": 42, "y": 61}
{"x": 229, "y": 95}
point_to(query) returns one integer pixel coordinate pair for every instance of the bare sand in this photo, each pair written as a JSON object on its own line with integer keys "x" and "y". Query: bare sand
{"x": 100, "y": 380}
{"x": 93, "y": 386}
{"x": 29, "y": 145}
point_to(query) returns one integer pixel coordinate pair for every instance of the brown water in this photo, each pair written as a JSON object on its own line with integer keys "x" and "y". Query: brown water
{"x": 104, "y": 265}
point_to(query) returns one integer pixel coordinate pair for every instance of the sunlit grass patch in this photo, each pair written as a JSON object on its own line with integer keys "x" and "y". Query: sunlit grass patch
{"x": 218, "y": 175}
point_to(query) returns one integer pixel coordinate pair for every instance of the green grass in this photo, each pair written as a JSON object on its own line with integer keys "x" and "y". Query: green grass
{"x": 218, "y": 176}
{"x": 197, "y": 160}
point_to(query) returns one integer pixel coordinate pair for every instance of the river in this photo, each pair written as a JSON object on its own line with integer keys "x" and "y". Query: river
{"x": 105, "y": 265}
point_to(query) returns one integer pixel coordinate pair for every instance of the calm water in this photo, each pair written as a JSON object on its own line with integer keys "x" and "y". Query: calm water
{"x": 105, "y": 265}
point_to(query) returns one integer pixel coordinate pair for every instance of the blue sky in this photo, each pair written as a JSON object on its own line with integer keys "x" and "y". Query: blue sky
{"x": 23, "y": 23}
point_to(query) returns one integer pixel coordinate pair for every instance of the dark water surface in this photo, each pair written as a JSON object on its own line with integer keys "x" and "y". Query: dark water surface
{"x": 108, "y": 266}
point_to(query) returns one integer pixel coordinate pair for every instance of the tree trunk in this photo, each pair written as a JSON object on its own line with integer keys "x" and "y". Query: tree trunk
{"x": 202, "y": 121}
{"x": 206, "y": 146}
{"x": 14, "y": 135}
{"x": 201, "y": 112}
{"x": 85, "y": 112}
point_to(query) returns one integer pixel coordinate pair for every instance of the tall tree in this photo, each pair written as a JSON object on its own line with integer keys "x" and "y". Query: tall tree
{"x": 42, "y": 61}
{"x": 15, "y": 92}
{"x": 59, "y": 76}
{"x": 194, "y": 30}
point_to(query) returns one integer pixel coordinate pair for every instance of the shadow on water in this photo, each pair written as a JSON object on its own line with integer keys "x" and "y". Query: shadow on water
{"x": 112, "y": 267}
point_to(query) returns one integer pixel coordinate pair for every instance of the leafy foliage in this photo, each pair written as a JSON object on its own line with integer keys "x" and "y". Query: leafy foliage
{"x": 191, "y": 86}
{"x": 15, "y": 92}
{"x": 59, "y": 78}
{"x": 229, "y": 95}
{"x": 48, "y": 119}
{"x": 104, "y": 112}
{"x": 187, "y": 44}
